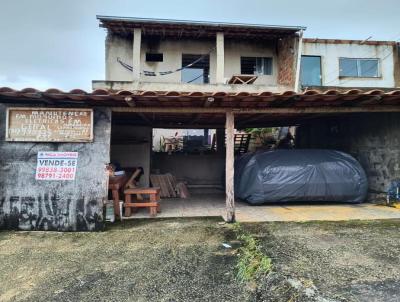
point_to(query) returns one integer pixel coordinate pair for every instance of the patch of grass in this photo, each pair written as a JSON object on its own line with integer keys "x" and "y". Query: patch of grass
{"x": 252, "y": 263}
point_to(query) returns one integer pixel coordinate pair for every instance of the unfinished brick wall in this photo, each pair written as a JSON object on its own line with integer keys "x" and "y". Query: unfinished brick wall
{"x": 287, "y": 49}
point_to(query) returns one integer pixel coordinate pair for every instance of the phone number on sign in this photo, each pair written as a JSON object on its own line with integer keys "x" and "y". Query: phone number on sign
{"x": 55, "y": 170}
{"x": 55, "y": 176}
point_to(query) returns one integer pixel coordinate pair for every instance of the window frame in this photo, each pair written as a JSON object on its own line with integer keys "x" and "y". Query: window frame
{"x": 359, "y": 76}
{"x": 320, "y": 69}
{"x": 255, "y": 66}
{"x": 202, "y": 64}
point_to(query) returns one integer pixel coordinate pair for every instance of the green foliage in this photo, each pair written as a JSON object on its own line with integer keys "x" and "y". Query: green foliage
{"x": 251, "y": 261}
{"x": 259, "y": 131}
{"x": 264, "y": 136}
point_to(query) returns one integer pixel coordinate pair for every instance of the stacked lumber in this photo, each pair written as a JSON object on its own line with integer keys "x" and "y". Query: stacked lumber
{"x": 168, "y": 185}
{"x": 166, "y": 182}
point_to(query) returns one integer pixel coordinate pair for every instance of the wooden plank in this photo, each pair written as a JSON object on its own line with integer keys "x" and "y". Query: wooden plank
{"x": 158, "y": 181}
{"x": 171, "y": 184}
{"x": 229, "y": 168}
{"x": 141, "y": 204}
{"x": 271, "y": 110}
{"x": 164, "y": 186}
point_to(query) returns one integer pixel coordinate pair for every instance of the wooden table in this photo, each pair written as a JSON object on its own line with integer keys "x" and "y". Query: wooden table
{"x": 117, "y": 183}
{"x": 242, "y": 79}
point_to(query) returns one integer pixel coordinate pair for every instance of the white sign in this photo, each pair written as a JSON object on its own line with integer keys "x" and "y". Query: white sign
{"x": 56, "y": 165}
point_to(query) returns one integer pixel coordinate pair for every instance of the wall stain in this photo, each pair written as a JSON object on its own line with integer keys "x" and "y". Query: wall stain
{"x": 50, "y": 212}
{"x": 30, "y": 204}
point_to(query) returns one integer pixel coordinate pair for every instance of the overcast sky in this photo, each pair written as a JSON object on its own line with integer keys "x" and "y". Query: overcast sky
{"x": 57, "y": 43}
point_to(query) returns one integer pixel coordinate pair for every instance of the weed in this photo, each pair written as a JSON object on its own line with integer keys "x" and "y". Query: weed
{"x": 252, "y": 262}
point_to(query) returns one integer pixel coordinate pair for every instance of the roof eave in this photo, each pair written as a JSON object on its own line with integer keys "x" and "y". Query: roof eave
{"x": 221, "y": 25}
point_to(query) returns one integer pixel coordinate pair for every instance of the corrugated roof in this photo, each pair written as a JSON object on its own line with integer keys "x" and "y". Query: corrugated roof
{"x": 195, "y": 29}
{"x": 194, "y": 23}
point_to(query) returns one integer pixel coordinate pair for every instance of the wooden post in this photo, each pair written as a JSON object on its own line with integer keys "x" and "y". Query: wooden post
{"x": 229, "y": 167}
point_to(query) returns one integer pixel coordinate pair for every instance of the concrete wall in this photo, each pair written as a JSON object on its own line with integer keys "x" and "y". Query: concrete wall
{"x": 331, "y": 52}
{"x": 396, "y": 64}
{"x": 196, "y": 169}
{"x": 173, "y": 50}
{"x": 373, "y": 139}
{"x": 153, "y": 86}
{"x": 136, "y": 154}
{"x": 236, "y": 49}
{"x": 118, "y": 47}
{"x": 28, "y": 204}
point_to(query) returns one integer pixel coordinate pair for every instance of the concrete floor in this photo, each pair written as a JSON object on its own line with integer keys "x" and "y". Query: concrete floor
{"x": 213, "y": 204}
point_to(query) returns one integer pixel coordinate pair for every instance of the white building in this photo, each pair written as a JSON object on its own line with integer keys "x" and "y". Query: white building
{"x": 349, "y": 63}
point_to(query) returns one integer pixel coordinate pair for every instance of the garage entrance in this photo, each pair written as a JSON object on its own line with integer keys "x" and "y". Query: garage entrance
{"x": 360, "y": 124}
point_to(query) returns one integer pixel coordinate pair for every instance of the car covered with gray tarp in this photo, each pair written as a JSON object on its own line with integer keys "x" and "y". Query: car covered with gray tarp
{"x": 299, "y": 175}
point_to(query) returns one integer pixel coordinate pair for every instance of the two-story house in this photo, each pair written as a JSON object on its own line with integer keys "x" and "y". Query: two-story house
{"x": 173, "y": 55}
{"x": 209, "y": 76}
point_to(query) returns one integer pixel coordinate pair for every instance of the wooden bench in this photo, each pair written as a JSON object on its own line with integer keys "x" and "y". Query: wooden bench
{"x": 153, "y": 203}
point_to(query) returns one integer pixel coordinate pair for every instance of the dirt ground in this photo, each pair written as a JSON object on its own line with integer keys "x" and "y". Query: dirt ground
{"x": 184, "y": 260}
{"x": 334, "y": 261}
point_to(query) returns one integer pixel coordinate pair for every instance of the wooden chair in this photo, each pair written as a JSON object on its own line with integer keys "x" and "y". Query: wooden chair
{"x": 153, "y": 202}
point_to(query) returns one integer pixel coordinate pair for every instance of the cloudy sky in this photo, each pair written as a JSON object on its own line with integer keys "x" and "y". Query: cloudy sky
{"x": 57, "y": 43}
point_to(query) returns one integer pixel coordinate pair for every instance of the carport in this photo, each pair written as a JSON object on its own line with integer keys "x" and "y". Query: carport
{"x": 245, "y": 110}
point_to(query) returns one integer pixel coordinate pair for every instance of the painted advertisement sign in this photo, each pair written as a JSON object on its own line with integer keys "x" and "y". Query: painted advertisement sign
{"x": 56, "y": 165}
{"x": 49, "y": 125}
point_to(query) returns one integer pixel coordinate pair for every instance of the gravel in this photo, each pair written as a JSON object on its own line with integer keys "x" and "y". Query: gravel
{"x": 185, "y": 260}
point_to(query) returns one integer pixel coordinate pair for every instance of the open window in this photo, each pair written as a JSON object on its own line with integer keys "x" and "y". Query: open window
{"x": 196, "y": 69}
{"x": 256, "y": 65}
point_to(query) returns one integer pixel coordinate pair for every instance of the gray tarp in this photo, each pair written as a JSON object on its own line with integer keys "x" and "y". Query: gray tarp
{"x": 299, "y": 175}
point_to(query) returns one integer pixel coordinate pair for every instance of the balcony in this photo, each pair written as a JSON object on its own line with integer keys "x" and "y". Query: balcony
{"x": 187, "y": 87}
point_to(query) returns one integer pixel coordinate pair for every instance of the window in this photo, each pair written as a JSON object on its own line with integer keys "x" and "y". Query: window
{"x": 196, "y": 69}
{"x": 154, "y": 57}
{"x": 256, "y": 65}
{"x": 193, "y": 75}
{"x": 359, "y": 68}
{"x": 310, "y": 71}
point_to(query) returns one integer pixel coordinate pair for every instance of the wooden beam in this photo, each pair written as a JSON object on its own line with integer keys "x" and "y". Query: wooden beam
{"x": 291, "y": 110}
{"x": 229, "y": 167}
{"x": 374, "y": 100}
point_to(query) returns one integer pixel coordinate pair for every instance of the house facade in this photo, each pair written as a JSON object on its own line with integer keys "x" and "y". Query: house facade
{"x": 173, "y": 55}
{"x": 349, "y": 64}
{"x": 190, "y": 75}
